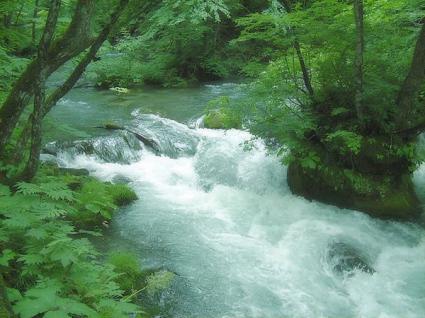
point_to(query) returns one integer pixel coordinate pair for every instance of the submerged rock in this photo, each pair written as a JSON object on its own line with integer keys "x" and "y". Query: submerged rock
{"x": 344, "y": 259}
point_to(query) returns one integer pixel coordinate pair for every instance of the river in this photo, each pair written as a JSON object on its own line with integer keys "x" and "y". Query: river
{"x": 223, "y": 219}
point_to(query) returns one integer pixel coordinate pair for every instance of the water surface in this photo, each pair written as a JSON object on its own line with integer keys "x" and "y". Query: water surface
{"x": 223, "y": 219}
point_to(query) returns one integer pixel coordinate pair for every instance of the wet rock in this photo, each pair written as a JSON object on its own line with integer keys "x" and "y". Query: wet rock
{"x": 384, "y": 196}
{"x": 73, "y": 171}
{"x": 122, "y": 147}
{"x": 119, "y": 179}
{"x": 345, "y": 259}
{"x": 168, "y": 137}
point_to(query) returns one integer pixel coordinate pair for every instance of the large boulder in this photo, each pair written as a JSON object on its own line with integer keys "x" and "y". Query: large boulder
{"x": 384, "y": 196}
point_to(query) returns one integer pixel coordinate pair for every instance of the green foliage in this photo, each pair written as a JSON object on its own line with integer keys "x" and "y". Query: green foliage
{"x": 159, "y": 281}
{"x": 49, "y": 263}
{"x": 323, "y": 131}
{"x": 122, "y": 194}
{"x": 348, "y": 141}
{"x": 178, "y": 44}
{"x": 127, "y": 266}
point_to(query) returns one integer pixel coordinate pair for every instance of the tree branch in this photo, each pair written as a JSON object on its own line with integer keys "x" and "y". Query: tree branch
{"x": 81, "y": 67}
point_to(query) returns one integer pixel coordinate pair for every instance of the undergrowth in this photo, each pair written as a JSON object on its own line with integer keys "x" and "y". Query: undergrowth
{"x": 49, "y": 266}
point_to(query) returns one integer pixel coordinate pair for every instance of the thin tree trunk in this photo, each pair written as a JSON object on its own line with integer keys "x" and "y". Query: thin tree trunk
{"x": 358, "y": 61}
{"x": 413, "y": 82}
{"x": 34, "y": 22}
{"x": 39, "y": 91}
{"x": 304, "y": 70}
{"x": 18, "y": 16}
{"x": 287, "y": 4}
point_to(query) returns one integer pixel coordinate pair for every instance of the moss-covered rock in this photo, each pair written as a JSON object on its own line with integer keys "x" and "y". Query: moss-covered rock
{"x": 384, "y": 196}
{"x": 221, "y": 119}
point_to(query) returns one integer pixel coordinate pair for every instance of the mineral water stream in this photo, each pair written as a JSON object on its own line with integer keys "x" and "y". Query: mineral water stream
{"x": 220, "y": 215}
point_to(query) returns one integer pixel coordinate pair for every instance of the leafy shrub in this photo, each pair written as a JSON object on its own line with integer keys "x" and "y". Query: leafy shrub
{"x": 127, "y": 266}
{"x": 121, "y": 194}
{"x": 50, "y": 266}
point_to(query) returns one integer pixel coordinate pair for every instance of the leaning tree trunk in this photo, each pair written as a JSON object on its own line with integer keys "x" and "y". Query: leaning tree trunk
{"x": 33, "y": 127}
{"x": 287, "y": 4}
{"x": 34, "y": 21}
{"x": 75, "y": 40}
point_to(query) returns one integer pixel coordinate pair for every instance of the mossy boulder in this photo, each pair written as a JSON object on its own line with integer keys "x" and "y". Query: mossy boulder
{"x": 221, "y": 119}
{"x": 383, "y": 196}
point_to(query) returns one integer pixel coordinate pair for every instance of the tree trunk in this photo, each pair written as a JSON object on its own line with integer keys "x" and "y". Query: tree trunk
{"x": 73, "y": 78}
{"x": 19, "y": 14}
{"x": 90, "y": 55}
{"x": 358, "y": 60}
{"x": 75, "y": 40}
{"x": 39, "y": 90}
{"x": 287, "y": 4}
{"x": 34, "y": 22}
{"x": 413, "y": 82}
{"x": 39, "y": 112}
{"x": 304, "y": 70}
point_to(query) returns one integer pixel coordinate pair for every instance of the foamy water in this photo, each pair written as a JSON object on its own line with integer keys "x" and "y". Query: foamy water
{"x": 224, "y": 220}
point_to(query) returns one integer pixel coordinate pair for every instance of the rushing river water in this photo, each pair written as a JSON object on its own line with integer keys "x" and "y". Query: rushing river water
{"x": 223, "y": 219}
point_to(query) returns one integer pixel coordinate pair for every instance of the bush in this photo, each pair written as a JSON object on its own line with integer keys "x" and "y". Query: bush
{"x": 95, "y": 201}
{"x": 49, "y": 266}
{"x": 128, "y": 267}
{"x": 121, "y": 194}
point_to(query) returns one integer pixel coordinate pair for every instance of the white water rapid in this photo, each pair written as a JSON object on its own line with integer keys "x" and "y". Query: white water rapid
{"x": 223, "y": 219}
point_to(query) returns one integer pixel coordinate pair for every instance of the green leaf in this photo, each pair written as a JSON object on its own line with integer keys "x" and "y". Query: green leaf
{"x": 13, "y": 294}
{"x": 4, "y": 191}
{"x": 6, "y": 257}
{"x": 56, "y": 314}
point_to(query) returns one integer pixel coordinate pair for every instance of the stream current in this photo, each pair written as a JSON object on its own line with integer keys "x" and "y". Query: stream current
{"x": 224, "y": 220}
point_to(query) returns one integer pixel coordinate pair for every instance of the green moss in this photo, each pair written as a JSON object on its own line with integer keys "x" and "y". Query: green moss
{"x": 384, "y": 196}
{"x": 221, "y": 119}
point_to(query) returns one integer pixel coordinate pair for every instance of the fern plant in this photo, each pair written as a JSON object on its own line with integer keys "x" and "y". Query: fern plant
{"x": 48, "y": 262}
